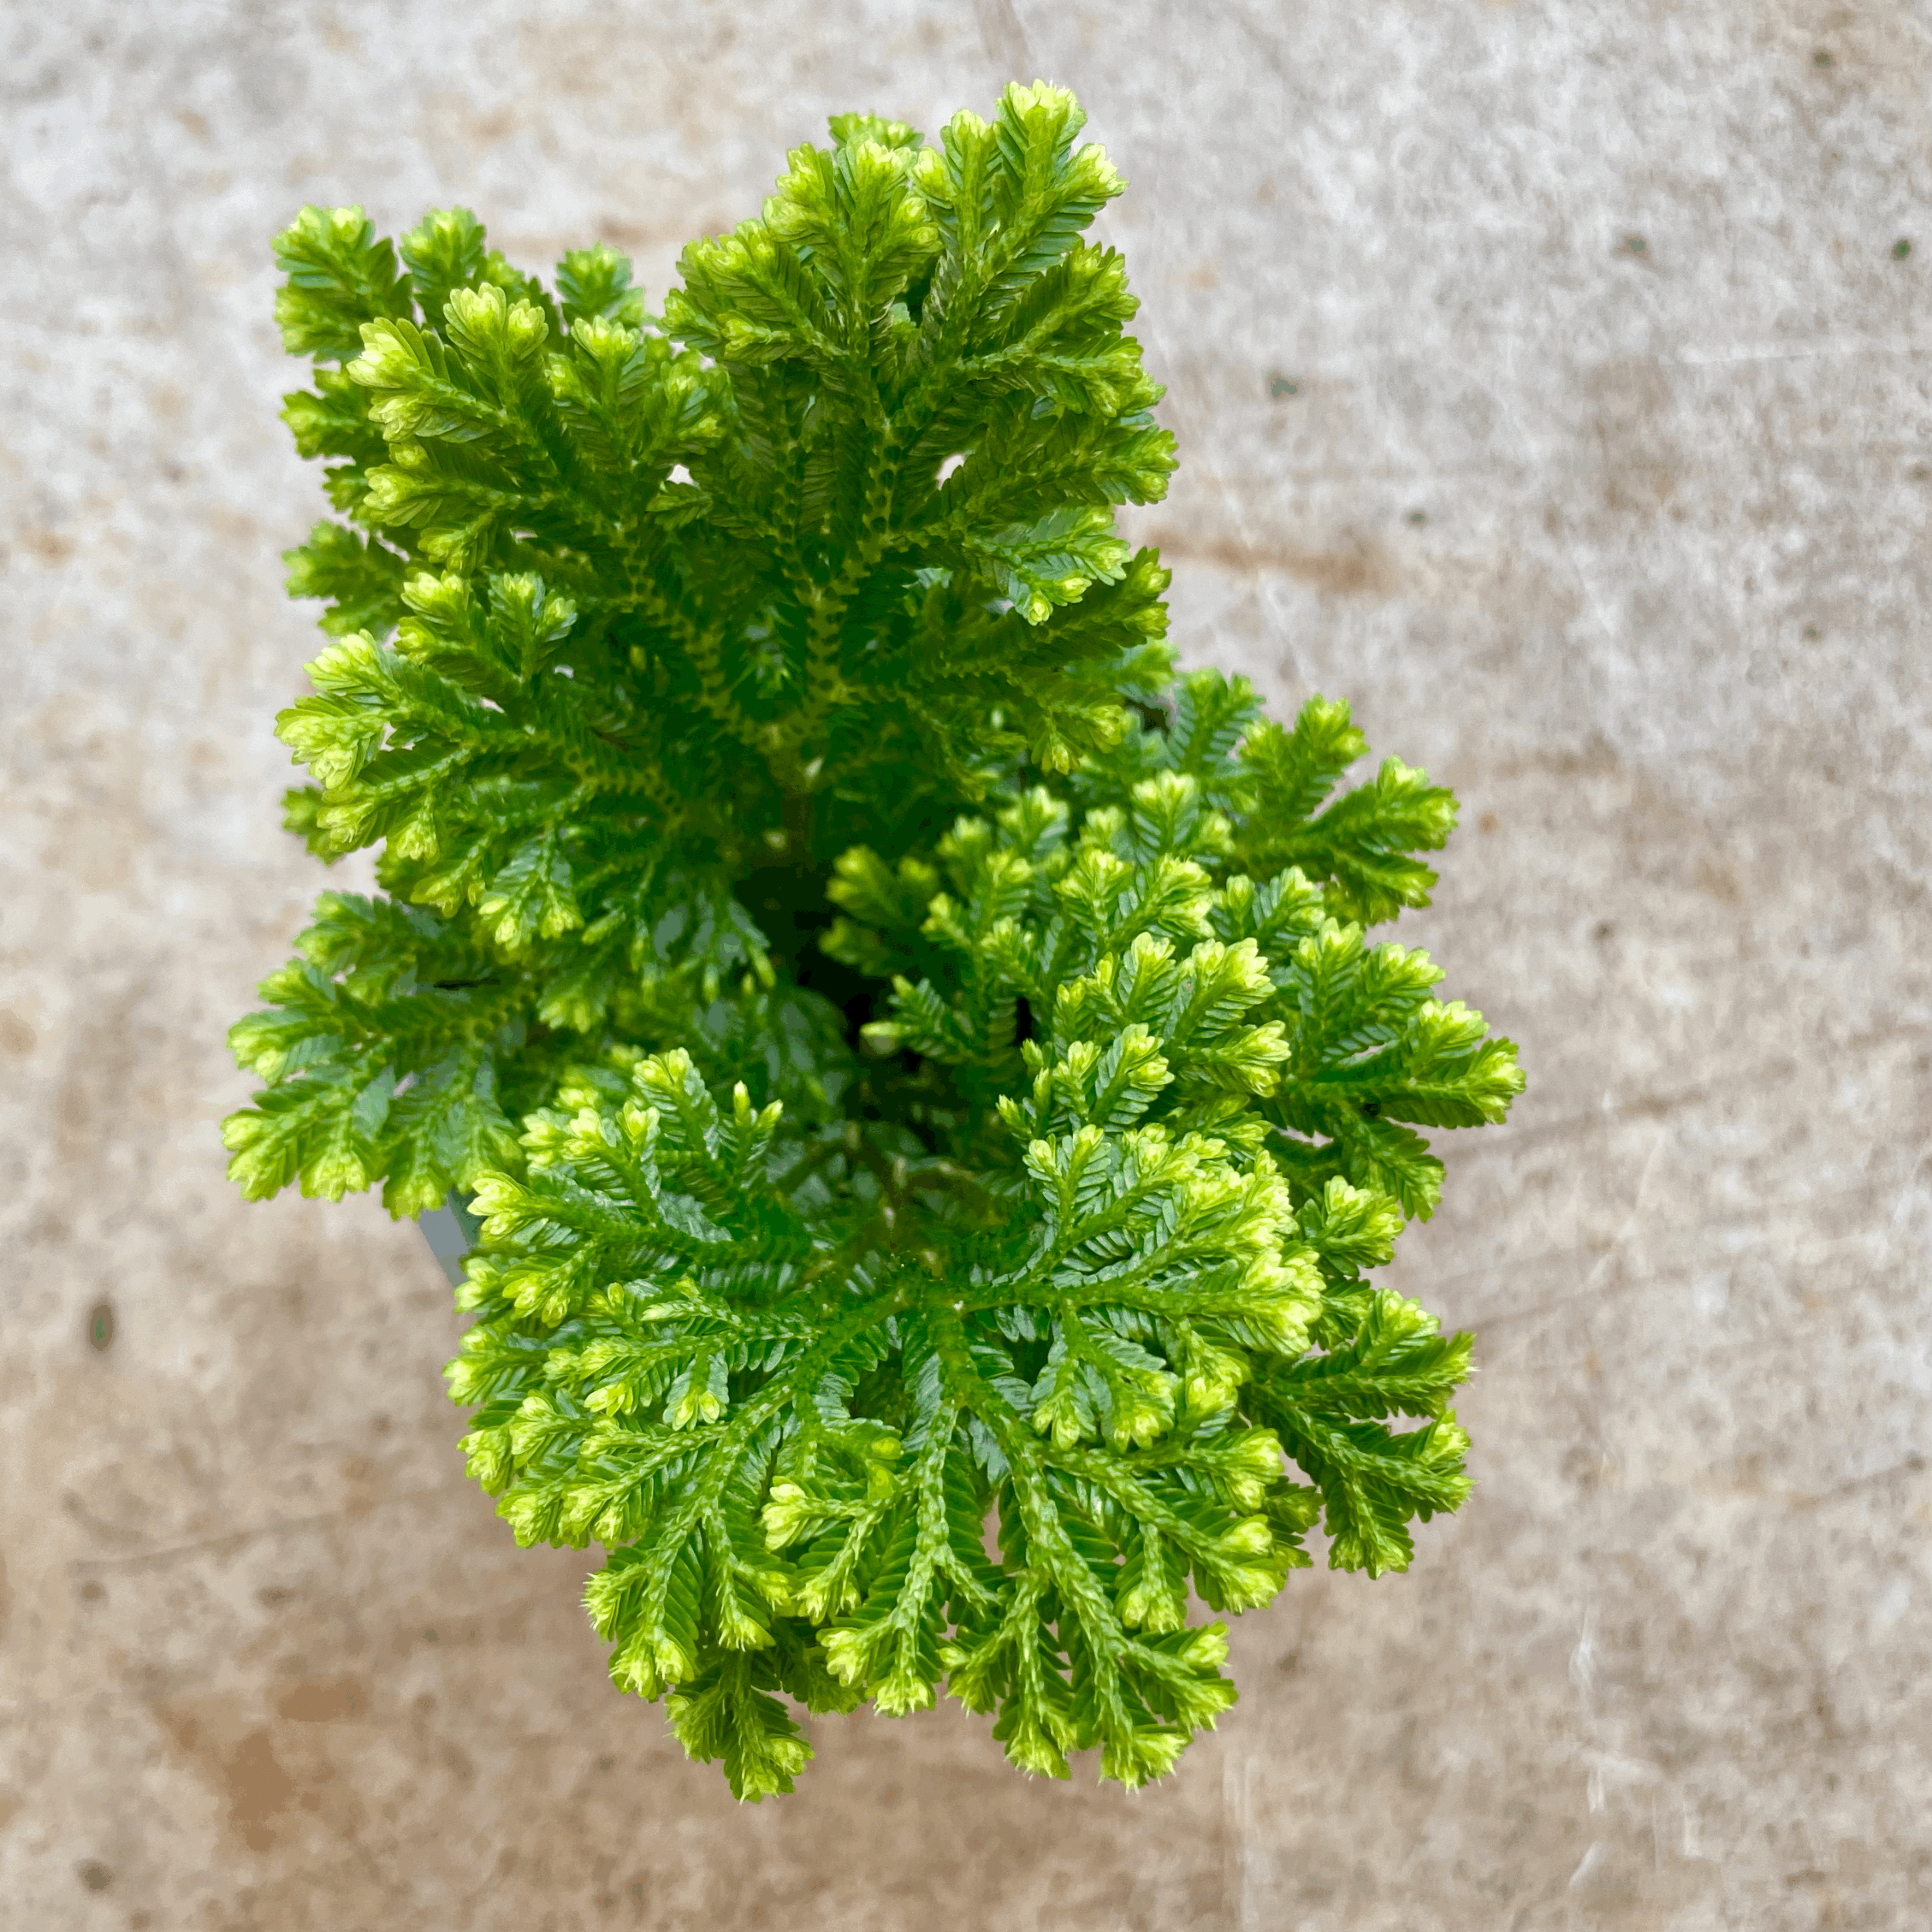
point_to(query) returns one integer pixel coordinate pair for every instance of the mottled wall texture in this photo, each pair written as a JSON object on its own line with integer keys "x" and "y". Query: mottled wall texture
{"x": 1553, "y": 380}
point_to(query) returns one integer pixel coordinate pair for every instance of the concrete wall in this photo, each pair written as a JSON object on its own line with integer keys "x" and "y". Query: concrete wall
{"x": 1548, "y": 381}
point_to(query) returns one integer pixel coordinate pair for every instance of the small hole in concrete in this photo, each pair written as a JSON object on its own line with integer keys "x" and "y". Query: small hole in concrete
{"x": 96, "y": 1877}
{"x": 1281, "y": 385}
{"x": 100, "y": 1328}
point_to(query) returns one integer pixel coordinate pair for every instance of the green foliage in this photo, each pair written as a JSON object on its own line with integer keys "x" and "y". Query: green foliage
{"x": 931, "y": 1098}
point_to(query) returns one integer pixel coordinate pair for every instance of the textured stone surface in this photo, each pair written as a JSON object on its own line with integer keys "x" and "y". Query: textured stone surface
{"x": 1548, "y": 382}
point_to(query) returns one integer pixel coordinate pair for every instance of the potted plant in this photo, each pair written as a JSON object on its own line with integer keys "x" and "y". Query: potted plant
{"x": 929, "y": 1101}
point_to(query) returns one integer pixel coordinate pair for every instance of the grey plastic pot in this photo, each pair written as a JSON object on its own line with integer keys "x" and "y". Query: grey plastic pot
{"x": 451, "y": 1231}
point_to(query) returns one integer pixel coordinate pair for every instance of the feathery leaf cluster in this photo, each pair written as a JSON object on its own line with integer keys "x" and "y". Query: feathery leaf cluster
{"x": 930, "y": 1100}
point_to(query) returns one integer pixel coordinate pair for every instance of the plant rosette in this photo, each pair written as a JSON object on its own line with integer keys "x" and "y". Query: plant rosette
{"x": 900, "y": 1077}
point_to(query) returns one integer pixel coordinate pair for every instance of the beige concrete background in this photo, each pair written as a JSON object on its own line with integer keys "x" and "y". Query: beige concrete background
{"x": 1549, "y": 382}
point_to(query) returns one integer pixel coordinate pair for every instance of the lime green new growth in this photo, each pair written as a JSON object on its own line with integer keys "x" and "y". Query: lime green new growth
{"x": 919, "y": 1063}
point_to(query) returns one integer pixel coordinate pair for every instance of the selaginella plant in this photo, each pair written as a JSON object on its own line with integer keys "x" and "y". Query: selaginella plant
{"x": 930, "y": 1098}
